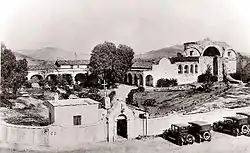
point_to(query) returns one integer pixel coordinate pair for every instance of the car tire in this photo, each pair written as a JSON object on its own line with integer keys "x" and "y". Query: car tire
{"x": 207, "y": 136}
{"x": 244, "y": 129}
{"x": 190, "y": 139}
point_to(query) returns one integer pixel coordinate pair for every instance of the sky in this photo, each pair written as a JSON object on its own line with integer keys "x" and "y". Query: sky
{"x": 145, "y": 25}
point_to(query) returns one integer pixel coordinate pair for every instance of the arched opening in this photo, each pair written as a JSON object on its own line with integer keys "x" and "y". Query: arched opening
{"x": 211, "y": 51}
{"x": 141, "y": 79}
{"x": 135, "y": 80}
{"x": 81, "y": 78}
{"x": 180, "y": 69}
{"x": 52, "y": 79}
{"x": 122, "y": 128}
{"x": 36, "y": 78}
{"x": 149, "y": 80}
{"x": 186, "y": 69}
{"x": 130, "y": 79}
{"x": 196, "y": 68}
{"x": 191, "y": 69}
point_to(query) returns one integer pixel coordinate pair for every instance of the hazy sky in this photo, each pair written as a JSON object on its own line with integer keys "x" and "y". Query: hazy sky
{"x": 78, "y": 25}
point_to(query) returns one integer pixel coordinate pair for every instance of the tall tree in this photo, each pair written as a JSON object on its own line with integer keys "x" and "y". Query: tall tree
{"x": 110, "y": 62}
{"x": 13, "y": 72}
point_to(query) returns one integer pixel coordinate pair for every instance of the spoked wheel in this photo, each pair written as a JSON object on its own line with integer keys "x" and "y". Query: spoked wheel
{"x": 207, "y": 136}
{"x": 190, "y": 139}
{"x": 244, "y": 129}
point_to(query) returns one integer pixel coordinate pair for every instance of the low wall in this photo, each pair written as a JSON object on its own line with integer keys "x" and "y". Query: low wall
{"x": 51, "y": 136}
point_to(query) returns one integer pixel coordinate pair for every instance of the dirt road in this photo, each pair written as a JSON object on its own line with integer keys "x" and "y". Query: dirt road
{"x": 221, "y": 143}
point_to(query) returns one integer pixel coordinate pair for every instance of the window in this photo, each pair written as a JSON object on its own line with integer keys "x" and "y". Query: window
{"x": 196, "y": 68}
{"x": 191, "y": 53}
{"x": 229, "y": 54}
{"x": 180, "y": 69}
{"x": 77, "y": 120}
{"x": 71, "y": 66}
{"x": 78, "y": 66}
{"x": 191, "y": 69}
{"x": 186, "y": 69}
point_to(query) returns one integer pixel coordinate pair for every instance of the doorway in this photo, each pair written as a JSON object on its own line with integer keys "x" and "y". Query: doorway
{"x": 122, "y": 126}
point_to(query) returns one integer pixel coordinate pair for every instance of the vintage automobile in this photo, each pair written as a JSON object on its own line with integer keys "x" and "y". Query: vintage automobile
{"x": 179, "y": 133}
{"x": 235, "y": 125}
{"x": 201, "y": 130}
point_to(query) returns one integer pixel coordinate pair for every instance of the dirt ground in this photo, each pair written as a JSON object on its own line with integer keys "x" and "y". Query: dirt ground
{"x": 221, "y": 143}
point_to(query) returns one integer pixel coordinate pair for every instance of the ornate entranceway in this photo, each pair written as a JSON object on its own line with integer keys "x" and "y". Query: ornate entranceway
{"x": 122, "y": 129}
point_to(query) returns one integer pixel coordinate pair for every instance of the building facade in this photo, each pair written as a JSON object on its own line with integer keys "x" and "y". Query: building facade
{"x": 194, "y": 60}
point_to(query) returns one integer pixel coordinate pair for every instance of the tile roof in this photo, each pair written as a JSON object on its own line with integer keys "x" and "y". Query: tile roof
{"x": 73, "y": 102}
{"x": 72, "y": 62}
{"x": 41, "y": 67}
{"x": 184, "y": 59}
{"x": 142, "y": 65}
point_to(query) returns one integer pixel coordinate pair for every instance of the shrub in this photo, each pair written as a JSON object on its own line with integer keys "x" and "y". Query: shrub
{"x": 77, "y": 87}
{"x": 140, "y": 89}
{"x": 149, "y": 102}
{"x": 93, "y": 90}
{"x": 112, "y": 95}
{"x": 166, "y": 82}
{"x": 83, "y": 95}
{"x": 130, "y": 98}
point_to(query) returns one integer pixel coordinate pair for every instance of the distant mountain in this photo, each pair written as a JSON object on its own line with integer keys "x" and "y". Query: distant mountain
{"x": 53, "y": 53}
{"x": 160, "y": 53}
{"x": 31, "y": 61}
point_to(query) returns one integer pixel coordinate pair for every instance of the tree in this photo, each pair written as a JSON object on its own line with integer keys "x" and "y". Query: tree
{"x": 13, "y": 72}
{"x": 110, "y": 62}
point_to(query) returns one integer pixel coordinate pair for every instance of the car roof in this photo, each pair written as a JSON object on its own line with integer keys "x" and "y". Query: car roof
{"x": 235, "y": 117}
{"x": 199, "y": 123}
{"x": 181, "y": 124}
{"x": 244, "y": 113}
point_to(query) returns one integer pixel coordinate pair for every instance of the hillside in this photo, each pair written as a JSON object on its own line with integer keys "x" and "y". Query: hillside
{"x": 164, "y": 52}
{"x": 53, "y": 53}
{"x": 31, "y": 61}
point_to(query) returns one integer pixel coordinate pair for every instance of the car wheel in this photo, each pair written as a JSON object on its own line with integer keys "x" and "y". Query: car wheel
{"x": 190, "y": 139}
{"x": 207, "y": 135}
{"x": 215, "y": 127}
{"x": 244, "y": 129}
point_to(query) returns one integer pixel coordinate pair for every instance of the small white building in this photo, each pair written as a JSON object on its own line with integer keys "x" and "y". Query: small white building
{"x": 73, "y": 112}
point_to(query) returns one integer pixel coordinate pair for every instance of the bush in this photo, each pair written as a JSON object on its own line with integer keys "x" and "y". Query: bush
{"x": 77, "y": 87}
{"x": 130, "y": 99}
{"x": 149, "y": 102}
{"x": 93, "y": 90}
{"x": 140, "y": 89}
{"x": 166, "y": 82}
{"x": 112, "y": 95}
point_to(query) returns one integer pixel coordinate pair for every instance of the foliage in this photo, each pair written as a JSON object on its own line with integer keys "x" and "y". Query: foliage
{"x": 207, "y": 79}
{"x": 110, "y": 62}
{"x": 13, "y": 72}
{"x": 130, "y": 98}
{"x": 77, "y": 87}
{"x": 93, "y": 90}
{"x": 68, "y": 78}
{"x": 149, "y": 102}
{"x": 112, "y": 95}
{"x": 166, "y": 82}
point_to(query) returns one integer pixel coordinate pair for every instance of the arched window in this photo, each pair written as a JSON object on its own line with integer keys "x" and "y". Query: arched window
{"x": 196, "y": 68}
{"x": 191, "y": 69}
{"x": 180, "y": 69}
{"x": 186, "y": 69}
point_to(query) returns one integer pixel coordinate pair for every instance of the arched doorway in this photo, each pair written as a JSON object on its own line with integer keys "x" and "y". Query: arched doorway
{"x": 149, "y": 80}
{"x": 36, "y": 78}
{"x": 141, "y": 79}
{"x": 135, "y": 80}
{"x": 214, "y": 53}
{"x": 122, "y": 128}
{"x": 129, "y": 79}
{"x": 81, "y": 77}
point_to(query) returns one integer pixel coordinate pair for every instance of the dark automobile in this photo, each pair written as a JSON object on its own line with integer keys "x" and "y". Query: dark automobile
{"x": 235, "y": 125}
{"x": 179, "y": 134}
{"x": 200, "y": 130}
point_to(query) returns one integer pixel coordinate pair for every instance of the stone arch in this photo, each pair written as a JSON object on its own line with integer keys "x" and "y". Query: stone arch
{"x": 191, "y": 68}
{"x": 211, "y": 51}
{"x": 130, "y": 79}
{"x": 186, "y": 69}
{"x": 122, "y": 126}
{"x": 81, "y": 77}
{"x": 180, "y": 69}
{"x": 141, "y": 79}
{"x": 149, "y": 80}
{"x": 196, "y": 52}
{"x": 135, "y": 80}
{"x": 36, "y": 78}
{"x": 196, "y": 68}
